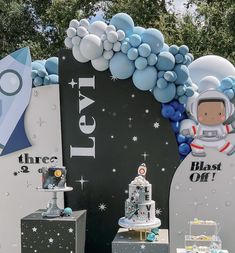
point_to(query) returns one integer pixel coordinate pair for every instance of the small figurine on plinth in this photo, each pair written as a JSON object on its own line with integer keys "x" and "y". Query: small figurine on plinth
{"x": 140, "y": 208}
{"x": 54, "y": 181}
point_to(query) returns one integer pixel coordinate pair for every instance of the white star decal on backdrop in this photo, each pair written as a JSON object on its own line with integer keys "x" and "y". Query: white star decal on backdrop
{"x": 82, "y": 181}
{"x": 156, "y": 125}
{"x": 112, "y": 137}
{"x": 72, "y": 83}
{"x": 158, "y": 211}
{"x": 135, "y": 138}
{"x": 70, "y": 230}
{"x": 102, "y": 207}
{"x": 132, "y": 95}
{"x": 145, "y": 155}
{"x": 126, "y": 191}
{"x": 34, "y": 229}
{"x": 113, "y": 78}
{"x": 51, "y": 240}
{"x": 113, "y": 170}
{"x": 142, "y": 246}
{"x": 147, "y": 111}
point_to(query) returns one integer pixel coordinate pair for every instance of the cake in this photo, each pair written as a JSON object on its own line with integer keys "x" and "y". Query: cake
{"x": 139, "y": 207}
{"x": 53, "y": 177}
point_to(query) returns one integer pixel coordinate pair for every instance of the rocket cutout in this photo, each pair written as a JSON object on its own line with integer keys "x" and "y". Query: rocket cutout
{"x": 15, "y": 93}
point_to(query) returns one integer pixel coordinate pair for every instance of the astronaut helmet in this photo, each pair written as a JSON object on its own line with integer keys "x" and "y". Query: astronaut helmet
{"x": 208, "y": 90}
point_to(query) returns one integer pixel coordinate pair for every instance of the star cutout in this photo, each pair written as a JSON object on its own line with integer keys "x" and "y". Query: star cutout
{"x": 142, "y": 246}
{"x": 147, "y": 111}
{"x": 144, "y": 155}
{"x": 113, "y": 170}
{"x": 111, "y": 136}
{"x": 82, "y": 181}
{"x": 51, "y": 240}
{"x": 102, "y": 207}
{"x": 34, "y": 229}
{"x": 72, "y": 83}
{"x": 135, "y": 138}
{"x": 70, "y": 230}
{"x": 158, "y": 211}
{"x": 156, "y": 125}
{"x": 113, "y": 78}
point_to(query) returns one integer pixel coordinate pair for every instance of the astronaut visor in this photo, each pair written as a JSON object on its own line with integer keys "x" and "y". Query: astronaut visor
{"x": 10, "y": 82}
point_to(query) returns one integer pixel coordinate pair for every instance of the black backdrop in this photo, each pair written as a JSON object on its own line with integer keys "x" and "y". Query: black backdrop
{"x": 127, "y": 127}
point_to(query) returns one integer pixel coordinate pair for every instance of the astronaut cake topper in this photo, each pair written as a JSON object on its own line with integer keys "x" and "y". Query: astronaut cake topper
{"x": 15, "y": 93}
{"x": 209, "y": 111}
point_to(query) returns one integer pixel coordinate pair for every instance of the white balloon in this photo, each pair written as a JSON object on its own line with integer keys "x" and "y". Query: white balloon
{"x": 121, "y": 35}
{"x": 97, "y": 28}
{"x": 68, "y": 42}
{"x": 85, "y": 23}
{"x": 108, "y": 54}
{"x": 78, "y": 56}
{"x": 103, "y": 37}
{"x": 82, "y": 31}
{"x": 74, "y": 23}
{"x": 112, "y": 36}
{"x": 208, "y": 82}
{"x": 91, "y": 47}
{"x": 100, "y": 64}
{"x": 110, "y": 28}
{"x": 210, "y": 65}
{"x": 108, "y": 45}
{"x": 76, "y": 40}
{"x": 71, "y": 32}
{"x": 117, "y": 46}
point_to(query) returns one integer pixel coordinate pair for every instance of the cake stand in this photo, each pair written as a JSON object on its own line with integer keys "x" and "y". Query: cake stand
{"x": 53, "y": 210}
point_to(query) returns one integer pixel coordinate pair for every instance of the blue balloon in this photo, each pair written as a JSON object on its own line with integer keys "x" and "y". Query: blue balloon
{"x": 184, "y": 149}
{"x": 42, "y": 73}
{"x": 144, "y": 50}
{"x": 182, "y": 73}
{"x": 226, "y": 83}
{"x": 167, "y": 111}
{"x": 145, "y": 79}
{"x": 175, "y": 126}
{"x": 179, "y": 58}
{"x": 36, "y": 66}
{"x": 166, "y": 61}
{"x": 162, "y": 83}
{"x": 121, "y": 67}
{"x": 177, "y": 116}
{"x": 175, "y": 104}
{"x": 229, "y": 93}
{"x": 161, "y": 74}
{"x": 183, "y": 49}
{"x": 181, "y": 138}
{"x": 165, "y": 95}
{"x": 165, "y": 48}
{"x": 154, "y": 38}
{"x": 125, "y": 47}
{"x": 54, "y": 79}
{"x": 38, "y": 81}
{"x": 34, "y": 73}
{"x": 181, "y": 108}
{"x": 174, "y": 49}
{"x": 189, "y": 92}
{"x": 181, "y": 89}
{"x": 138, "y": 30}
{"x": 152, "y": 59}
{"x": 52, "y": 65}
{"x": 141, "y": 63}
{"x": 135, "y": 40}
{"x": 46, "y": 80}
{"x": 170, "y": 76}
{"x": 132, "y": 53}
{"x": 123, "y": 21}
{"x": 183, "y": 99}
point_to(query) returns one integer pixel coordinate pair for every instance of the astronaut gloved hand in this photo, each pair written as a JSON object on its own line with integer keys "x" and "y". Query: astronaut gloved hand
{"x": 185, "y": 132}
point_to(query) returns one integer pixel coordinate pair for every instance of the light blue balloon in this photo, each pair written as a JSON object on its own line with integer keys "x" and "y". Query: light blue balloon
{"x": 233, "y": 87}
{"x": 183, "y": 99}
{"x": 144, "y": 50}
{"x": 42, "y": 73}
{"x": 181, "y": 89}
{"x": 141, "y": 63}
{"x": 226, "y": 83}
{"x": 183, "y": 49}
{"x": 162, "y": 83}
{"x": 179, "y": 58}
{"x": 191, "y": 56}
{"x": 170, "y": 76}
{"x": 229, "y": 93}
{"x": 154, "y": 38}
{"x": 189, "y": 92}
{"x": 34, "y": 73}
{"x": 135, "y": 40}
{"x": 52, "y": 65}
{"x": 166, "y": 61}
{"x": 182, "y": 73}
{"x": 145, "y": 79}
{"x": 174, "y": 49}
{"x": 165, "y": 95}
{"x": 165, "y": 48}
{"x": 161, "y": 74}
{"x": 46, "y": 80}
{"x": 187, "y": 60}
{"x": 38, "y": 81}
{"x": 54, "y": 79}
{"x": 123, "y": 21}
{"x": 152, "y": 59}
{"x": 138, "y": 30}
{"x": 36, "y": 66}
{"x": 121, "y": 67}
{"x": 132, "y": 53}
{"x": 125, "y": 47}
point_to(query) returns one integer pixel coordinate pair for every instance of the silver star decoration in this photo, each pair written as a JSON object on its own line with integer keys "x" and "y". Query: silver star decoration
{"x": 142, "y": 246}
{"x": 126, "y": 191}
{"x": 34, "y": 229}
{"x": 167, "y": 143}
{"x": 63, "y": 57}
{"x": 145, "y": 155}
{"x": 130, "y": 119}
{"x": 111, "y": 136}
{"x": 147, "y": 111}
{"x": 51, "y": 240}
{"x": 82, "y": 181}
{"x": 102, "y": 207}
{"x": 156, "y": 125}
{"x": 158, "y": 211}
{"x": 72, "y": 83}
{"x": 135, "y": 138}
{"x": 132, "y": 95}
{"x": 163, "y": 169}
{"x": 113, "y": 78}
{"x": 114, "y": 170}
{"x": 103, "y": 109}
{"x": 70, "y": 230}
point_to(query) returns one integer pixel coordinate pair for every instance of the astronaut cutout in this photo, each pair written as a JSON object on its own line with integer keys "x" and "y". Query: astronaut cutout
{"x": 210, "y": 109}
